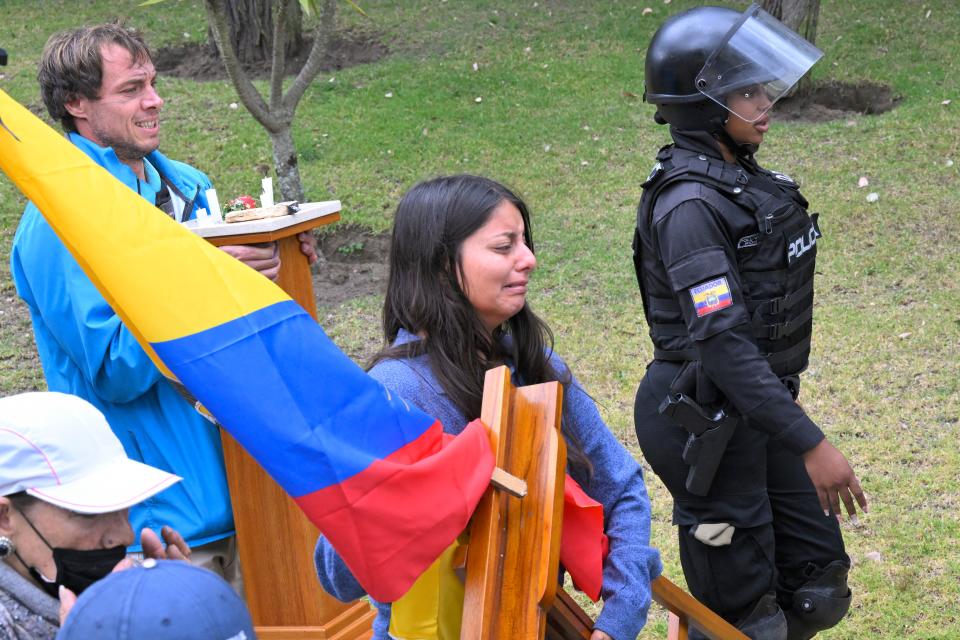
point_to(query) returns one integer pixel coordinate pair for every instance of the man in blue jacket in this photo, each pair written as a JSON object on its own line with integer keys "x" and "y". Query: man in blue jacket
{"x": 99, "y": 82}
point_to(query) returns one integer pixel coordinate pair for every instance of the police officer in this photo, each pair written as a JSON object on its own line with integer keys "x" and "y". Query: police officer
{"x": 724, "y": 251}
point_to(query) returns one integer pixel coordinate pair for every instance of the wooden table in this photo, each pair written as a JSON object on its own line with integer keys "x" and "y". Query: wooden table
{"x": 276, "y": 540}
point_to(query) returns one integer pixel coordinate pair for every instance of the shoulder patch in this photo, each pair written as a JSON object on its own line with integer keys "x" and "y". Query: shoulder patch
{"x": 711, "y": 296}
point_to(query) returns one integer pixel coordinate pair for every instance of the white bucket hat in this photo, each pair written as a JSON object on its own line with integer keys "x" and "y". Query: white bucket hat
{"x": 60, "y": 449}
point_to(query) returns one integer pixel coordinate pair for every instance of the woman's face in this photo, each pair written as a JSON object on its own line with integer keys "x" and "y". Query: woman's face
{"x": 496, "y": 264}
{"x": 751, "y": 102}
{"x": 67, "y": 530}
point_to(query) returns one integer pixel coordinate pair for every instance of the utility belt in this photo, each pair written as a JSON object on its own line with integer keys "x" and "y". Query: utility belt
{"x": 710, "y": 423}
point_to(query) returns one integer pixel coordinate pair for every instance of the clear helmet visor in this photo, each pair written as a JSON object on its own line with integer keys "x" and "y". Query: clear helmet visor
{"x": 759, "y": 60}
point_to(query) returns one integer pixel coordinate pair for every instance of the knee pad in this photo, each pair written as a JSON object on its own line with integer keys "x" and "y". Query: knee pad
{"x": 820, "y": 603}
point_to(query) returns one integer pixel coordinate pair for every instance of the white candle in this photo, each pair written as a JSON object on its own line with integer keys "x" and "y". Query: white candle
{"x": 266, "y": 197}
{"x": 214, "y": 202}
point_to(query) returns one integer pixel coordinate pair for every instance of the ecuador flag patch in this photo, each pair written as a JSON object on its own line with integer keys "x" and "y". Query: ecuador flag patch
{"x": 711, "y": 296}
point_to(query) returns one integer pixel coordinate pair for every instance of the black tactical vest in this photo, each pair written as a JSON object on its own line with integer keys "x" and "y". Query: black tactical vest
{"x": 774, "y": 239}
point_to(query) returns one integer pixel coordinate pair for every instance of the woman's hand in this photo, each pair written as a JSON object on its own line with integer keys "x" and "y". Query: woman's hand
{"x": 834, "y": 480}
{"x": 67, "y": 600}
{"x": 599, "y": 635}
{"x": 176, "y": 547}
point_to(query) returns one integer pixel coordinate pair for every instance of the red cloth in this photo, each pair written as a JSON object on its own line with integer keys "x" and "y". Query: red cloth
{"x": 583, "y": 544}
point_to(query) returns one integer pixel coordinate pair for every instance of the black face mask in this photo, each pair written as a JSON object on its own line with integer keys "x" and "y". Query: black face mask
{"x": 76, "y": 569}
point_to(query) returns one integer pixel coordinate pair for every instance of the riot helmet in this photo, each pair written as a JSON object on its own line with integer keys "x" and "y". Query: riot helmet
{"x": 699, "y": 57}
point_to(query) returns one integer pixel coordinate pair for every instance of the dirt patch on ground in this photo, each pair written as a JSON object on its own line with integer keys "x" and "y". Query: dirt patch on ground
{"x": 196, "y": 61}
{"x": 355, "y": 263}
{"x": 837, "y": 100}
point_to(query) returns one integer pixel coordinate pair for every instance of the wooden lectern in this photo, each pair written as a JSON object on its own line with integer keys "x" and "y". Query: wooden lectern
{"x": 276, "y": 540}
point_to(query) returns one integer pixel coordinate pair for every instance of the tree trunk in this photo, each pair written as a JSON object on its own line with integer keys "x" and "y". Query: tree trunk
{"x": 276, "y": 114}
{"x": 802, "y": 17}
{"x": 251, "y": 29}
{"x": 799, "y": 15}
{"x": 285, "y": 164}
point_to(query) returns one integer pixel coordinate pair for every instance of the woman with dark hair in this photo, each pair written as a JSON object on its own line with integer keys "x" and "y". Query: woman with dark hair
{"x": 460, "y": 261}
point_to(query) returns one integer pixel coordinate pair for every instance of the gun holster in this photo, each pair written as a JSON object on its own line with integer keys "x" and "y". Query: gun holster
{"x": 709, "y": 430}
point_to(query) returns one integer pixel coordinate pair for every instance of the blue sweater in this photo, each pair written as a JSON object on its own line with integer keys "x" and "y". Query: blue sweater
{"x": 617, "y": 484}
{"x": 87, "y": 351}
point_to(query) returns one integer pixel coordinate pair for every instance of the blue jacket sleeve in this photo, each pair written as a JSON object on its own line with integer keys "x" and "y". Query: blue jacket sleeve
{"x": 616, "y": 483}
{"x": 75, "y": 316}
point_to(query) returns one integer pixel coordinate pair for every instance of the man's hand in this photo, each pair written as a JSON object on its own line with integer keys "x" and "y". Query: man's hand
{"x": 599, "y": 635}
{"x": 264, "y": 258}
{"x": 834, "y": 479}
{"x": 176, "y": 547}
{"x": 308, "y": 245}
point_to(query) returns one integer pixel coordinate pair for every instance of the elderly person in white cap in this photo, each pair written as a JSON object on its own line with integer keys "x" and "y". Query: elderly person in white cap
{"x": 66, "y": 487}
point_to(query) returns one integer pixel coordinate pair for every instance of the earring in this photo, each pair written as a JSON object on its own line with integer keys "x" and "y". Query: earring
{"x": 6, "y": 547}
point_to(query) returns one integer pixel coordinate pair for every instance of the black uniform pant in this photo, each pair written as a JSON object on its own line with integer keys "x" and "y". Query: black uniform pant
{"x": 780, "y": 534}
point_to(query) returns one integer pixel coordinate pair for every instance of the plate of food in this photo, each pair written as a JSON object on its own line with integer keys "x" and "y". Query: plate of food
{"x": 245, "y": 208}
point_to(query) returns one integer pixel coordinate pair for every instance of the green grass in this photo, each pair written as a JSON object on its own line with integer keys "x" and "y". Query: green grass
{"x": 560, "y": 120}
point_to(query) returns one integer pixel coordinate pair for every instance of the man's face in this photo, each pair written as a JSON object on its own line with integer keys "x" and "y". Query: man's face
{"x": 126, "y": 115}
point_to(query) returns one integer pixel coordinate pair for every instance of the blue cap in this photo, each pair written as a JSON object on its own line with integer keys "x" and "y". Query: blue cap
{"x": 161, "y": 600}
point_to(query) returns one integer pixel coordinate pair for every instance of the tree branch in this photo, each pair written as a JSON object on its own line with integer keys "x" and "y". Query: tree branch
{"x": 249, "y": 95}
{"x": 278, "y": 56}
{"x": 321, "y": 38}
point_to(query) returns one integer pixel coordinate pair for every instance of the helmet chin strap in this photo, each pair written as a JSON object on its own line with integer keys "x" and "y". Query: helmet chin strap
{"x": 738, "y": 149}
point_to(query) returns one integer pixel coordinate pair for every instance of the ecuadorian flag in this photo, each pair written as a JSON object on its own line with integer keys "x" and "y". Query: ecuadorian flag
{"x": 375, "y": 475}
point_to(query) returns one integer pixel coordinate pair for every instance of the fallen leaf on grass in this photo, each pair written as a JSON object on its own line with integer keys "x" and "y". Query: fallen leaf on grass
{"x": 647, "y": 11}
{"x": 862, "y": 182}
{"x": 904, "y": 335}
